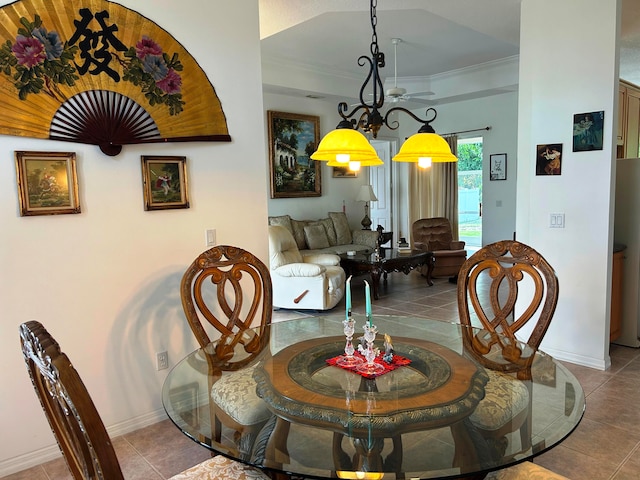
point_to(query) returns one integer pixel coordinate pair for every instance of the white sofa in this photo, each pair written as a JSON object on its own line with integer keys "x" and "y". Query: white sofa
{"x": 313, "y": 282}
{"x": 327, "y": 235}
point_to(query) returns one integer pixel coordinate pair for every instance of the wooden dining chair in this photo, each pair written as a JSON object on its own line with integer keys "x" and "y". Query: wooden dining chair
{"x": 228, "y": 290}
{"x": 76, "y": 424}
{"x": 501, "y": 288}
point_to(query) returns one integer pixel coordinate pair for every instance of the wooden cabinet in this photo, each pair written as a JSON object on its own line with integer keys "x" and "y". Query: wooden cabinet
{"x": 628, "y": 136}
{"x": 617, "y": 274}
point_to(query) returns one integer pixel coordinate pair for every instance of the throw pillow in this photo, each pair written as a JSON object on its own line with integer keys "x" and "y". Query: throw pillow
{"x": 284, "y": 220}
{"x": 316, "y": 236}
{"x": 341, "y": 225}
{"x": 327, "y": 223}
{"x": 331, "y": 231}
{"x": 298, "y": 232}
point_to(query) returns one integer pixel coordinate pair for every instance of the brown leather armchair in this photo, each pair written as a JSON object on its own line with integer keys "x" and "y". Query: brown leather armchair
{"x": 434, "y": 235}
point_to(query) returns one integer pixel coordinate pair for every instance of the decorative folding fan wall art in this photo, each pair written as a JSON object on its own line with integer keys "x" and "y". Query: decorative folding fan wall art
{"x": 95, "y": 72}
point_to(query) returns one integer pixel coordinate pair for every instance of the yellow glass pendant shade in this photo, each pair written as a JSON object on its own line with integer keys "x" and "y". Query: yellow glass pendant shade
{"x": 425, "y": 145}
{"x": 344, "y": 145}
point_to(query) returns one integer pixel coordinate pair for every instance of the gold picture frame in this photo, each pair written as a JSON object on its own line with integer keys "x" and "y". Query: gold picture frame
{"x": 293, "y": 138}
{"x": 344, "y": 172}
{"x": 164, "y": 182}
{"x": 47, "y": 183}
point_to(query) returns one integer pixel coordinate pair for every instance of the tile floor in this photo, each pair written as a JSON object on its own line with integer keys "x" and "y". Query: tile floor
{"x": 605, "y": 446}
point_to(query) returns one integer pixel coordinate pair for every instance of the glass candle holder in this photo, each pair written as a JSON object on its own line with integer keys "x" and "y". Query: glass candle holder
{"x": 348, "y": 359}
{"x": 370, "y": 366}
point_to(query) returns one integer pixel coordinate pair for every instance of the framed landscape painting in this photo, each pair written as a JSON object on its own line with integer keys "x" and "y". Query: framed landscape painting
{"x": 47, "y": 183}
{"x": 344, "y": 172}
{"x": 292, "y": 139}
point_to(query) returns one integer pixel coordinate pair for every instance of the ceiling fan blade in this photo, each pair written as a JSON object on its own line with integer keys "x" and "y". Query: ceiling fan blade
{"x": 421, "y": 101}
{"x": 421, "y": 94}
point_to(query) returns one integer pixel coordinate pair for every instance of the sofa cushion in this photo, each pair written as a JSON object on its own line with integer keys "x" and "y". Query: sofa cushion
{"x": 283, "y": 220}
{"x": 316, "y": 236}
{"x": 327, "y": 223}
{"x": 298, "y": 232}
{"x": 282, "y": 247}
{"x": 365, "y": 237}
{"x": 341, "y": 225}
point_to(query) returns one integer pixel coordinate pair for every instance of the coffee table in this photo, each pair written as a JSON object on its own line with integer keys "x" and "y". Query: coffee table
{"x": 386, "y": 261}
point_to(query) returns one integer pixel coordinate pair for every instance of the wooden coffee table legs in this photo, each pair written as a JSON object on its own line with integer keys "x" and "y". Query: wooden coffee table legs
{"x": 380, "y": 271}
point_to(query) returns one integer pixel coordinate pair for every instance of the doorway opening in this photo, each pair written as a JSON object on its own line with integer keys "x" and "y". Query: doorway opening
{"x": 470, "y": 192}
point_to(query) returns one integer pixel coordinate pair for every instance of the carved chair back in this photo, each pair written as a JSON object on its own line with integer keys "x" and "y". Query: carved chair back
{"x": 229, "y": 289}
{"x": 501, "y": 288}
{"x": 73, "y": 417}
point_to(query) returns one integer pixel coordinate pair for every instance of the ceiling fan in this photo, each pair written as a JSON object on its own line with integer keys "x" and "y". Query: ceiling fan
{"x": 397, "y": 94}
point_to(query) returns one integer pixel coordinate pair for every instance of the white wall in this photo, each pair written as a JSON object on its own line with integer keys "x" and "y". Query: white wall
{"x": 500, "y": 112}
{"x": 105, "y": 282}
{"x": 563, "y": 71}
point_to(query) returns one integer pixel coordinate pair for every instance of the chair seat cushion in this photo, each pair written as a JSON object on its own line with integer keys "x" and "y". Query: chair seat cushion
{"x": 525, "y": 471}
{"x": 235, "y": 394}
{"x": 505, "y": 397}
{"x": 221, "y": 468}
{"x": 449, "y": 253}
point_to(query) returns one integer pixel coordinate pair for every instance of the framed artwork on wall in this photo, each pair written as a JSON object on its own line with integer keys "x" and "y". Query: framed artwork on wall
{"x": 164, "y": 182}
{"x": 587, "y": 131}
{"x": 292, "y": 139}
{"x": 47, "y": 183}
{"x": 549, "y": 159}
{"x": 498, "y": 166}
{"x": 344, "y": 172}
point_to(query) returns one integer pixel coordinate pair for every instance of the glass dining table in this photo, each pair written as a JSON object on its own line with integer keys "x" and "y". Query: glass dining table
{"x": 415, "y": 415}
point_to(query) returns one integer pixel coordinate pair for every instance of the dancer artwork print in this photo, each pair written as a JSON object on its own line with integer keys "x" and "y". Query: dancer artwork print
{"x": 549, "y": 159}
{"x": 587, "y": 131}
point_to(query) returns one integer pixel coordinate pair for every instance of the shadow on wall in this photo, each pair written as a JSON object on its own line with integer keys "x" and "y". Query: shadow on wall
{"x": 152, "y": 321}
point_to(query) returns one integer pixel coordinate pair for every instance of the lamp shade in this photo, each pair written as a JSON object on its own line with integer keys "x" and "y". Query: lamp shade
{"x": 365, "y": 194}
{"x": 351, "y": 145}
{"x": 425, "y": 145}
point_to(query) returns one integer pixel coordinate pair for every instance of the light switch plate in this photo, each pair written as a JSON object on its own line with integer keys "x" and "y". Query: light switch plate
{"x": 210, "y": 237}
{"x": 556, "y": 220}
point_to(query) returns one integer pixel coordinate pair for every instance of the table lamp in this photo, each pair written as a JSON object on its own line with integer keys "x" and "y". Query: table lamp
{"x": 366, "y": 195}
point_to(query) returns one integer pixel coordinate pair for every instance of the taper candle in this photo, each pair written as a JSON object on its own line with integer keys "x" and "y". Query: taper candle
{"x": 348, "y": 296}
{"x": 367, "y": 299}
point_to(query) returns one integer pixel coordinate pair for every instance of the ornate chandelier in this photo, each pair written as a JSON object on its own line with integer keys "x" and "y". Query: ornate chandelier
{"x": 346, "y": 145}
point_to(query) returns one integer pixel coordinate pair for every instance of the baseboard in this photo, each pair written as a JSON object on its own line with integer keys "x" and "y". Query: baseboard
{"x": 52, "y": 452}
{"x": 590, "y": 362}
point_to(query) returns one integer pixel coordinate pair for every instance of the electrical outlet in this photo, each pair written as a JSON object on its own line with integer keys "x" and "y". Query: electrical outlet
{"x": 162, "y": 360}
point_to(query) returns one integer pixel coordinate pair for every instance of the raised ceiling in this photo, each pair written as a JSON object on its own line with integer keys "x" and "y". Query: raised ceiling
{"x": 438, "y": 36}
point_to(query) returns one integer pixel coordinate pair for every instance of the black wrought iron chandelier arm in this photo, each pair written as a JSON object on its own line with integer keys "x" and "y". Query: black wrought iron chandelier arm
{"x": 347, "y": 116}
{"x": 377, "y": 98}
{"x": 426, "y": 123}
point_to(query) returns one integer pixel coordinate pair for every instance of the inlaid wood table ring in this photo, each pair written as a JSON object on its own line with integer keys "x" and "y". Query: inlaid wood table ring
{"x": 439, "y": 388}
